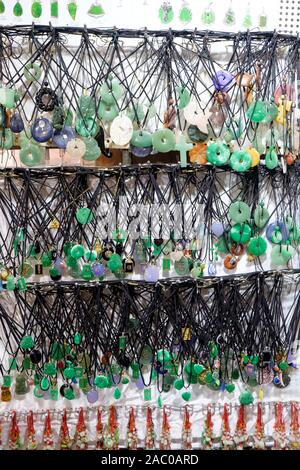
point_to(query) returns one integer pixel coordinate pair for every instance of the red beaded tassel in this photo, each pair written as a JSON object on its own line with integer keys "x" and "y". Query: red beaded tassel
{"x": 259, "y": 436}
{"x": 280, "y": 442}
{"x": 99, "y": 431}
{"x": 294, "y": 428}
{"x": 165, "y": 438}
{"x": 81, "y": 437}
{"x": 187, "y": 430}
{"x": 240, "y": 436}
{"x": 111, "y": 437}
{"x": 14, "y": 441}
{"x": 48, "y": 441}
{"x": 208, "y": 431}
{"x": 226, "y": 438}
{"x": 132, "y": 439}
{"x": 150, "y": 434}
{"x": 65, "y": 440}
{"x": 31, "y": 437}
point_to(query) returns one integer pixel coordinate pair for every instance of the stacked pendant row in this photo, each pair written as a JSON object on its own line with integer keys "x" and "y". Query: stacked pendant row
{"x": 105, "y": 340}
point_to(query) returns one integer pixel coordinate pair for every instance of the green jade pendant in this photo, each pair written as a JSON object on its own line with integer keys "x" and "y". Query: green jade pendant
{"x": 36, "y": 9}
{"x": 185, "y": 14}
{"x": 18, "y": 9}
{"x": 2, "y": 7}
{"x": 96, "y": 10}
{"x": 72, "y": 9}
{"x": 54, "y": 9}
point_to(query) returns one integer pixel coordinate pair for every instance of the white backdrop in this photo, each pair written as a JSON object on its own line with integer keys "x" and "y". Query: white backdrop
{"x": 144, "y": 13}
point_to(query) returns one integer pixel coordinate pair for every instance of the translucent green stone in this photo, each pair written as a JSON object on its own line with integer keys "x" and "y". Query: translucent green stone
{"x": 87, "y": 273}
{"x": 6, "y": 140}
{"x": 229, "y": 17}
{"x": 69, "y": 394}
{"x": 261, "y": 216}
{"x": 50, "y": 369}
{"x": 84, "y": 215}
{"x": 36, "y": 9}
{"x": 101, "y": 381}
{"x": 257, "y": 246}
{"x": 96, "y": 10}
{"x": 117, "y": 394}
{"x": 44, "y": 384}
{"x": 263, "y": 21}
{"x": 54, "y": 9}
{"x": 77, "y": 338}
{"x": 166, "y": 14}
{"x": 185, "y": 15}
{"x": 86, "y": 106}
{"x": 240, "y": 233}
{"x": 27, "y": 342}
{"x": 69, "y": 372}
{"x": 111, "y": 91}
{"x": 72, "y": 9}
{"x": 141, "y": 139}
{"x": 247, "y": 23}
{"x": 2, "y": 7}
{"x": 271, "y": 159}
{"x": 86, "y": 127}
{"x": 46, "y": 260}
{"x": 107, "y": 112}
{"x": 92, "y": 150}
{"x": 208, "y": 17}
{"x": 257, "y": 111}
{"x": 272, "y": 137}
{"x": 136, "y": 113}
{"x": 183, "y": 97}
{"x": 32, "y": 155}
{"x": 18, "y": 10}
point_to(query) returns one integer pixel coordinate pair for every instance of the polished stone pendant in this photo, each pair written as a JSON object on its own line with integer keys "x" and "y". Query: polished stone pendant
{"x": 18, "y": 9}
{"x": 36, "y": 9}
{"x": 46, "y": 99}
{"x": 166, "y": 13}
{"x": 21, "y": 387}
{"x": 16, "y": 123}
{"x": 54, "y": 9}
{"x": 185, "y": 14}
{"x": 72, "y": 9}
{"x": 42, "y": 130}
{"x": 96, "y": 10}
{"x": 128, "y": 265}
{"x": 5, "y": 394}
{"x": 38, "y": 269}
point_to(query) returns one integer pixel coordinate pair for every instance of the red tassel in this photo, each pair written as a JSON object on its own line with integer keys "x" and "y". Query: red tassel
{"x": 14, "y": 441}
{"x": 295, "y": 434}
{"x": 65, "y": 440}
{"x": 280, "y": 441}
{"x": 31, "y": 439}
{"x": 165, "y": 438}
{"x": 100, "y": 433}
{"x": 208, "y": 432}
{"x": 132, "y": 439}
{"x": 81, "y": 438}
{"x": 240, "y": 436}
{"x": 259, "y": 429}
{"x": 150, "y": 434}
{"x": 111, "y": 438}
{"x": 187, "y": 430}
{"x": 48, "y": 441}
{"x": 226, "y": 438}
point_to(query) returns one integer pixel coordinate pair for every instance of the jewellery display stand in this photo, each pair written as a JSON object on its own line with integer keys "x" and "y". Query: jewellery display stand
{"x": 187, "y": 328}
